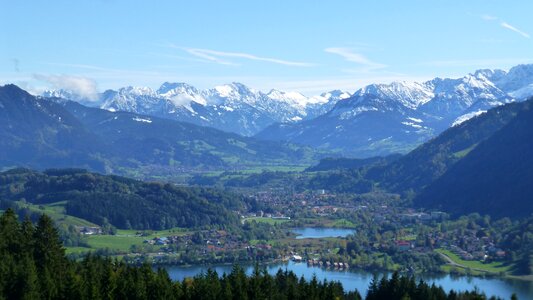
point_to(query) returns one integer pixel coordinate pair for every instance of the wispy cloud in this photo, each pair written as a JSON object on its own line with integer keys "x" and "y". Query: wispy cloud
{"x": 221, "y": 57}
{"x": 350, "y": 55}
{"x": 208, "y": 55}
{"x": 505, "y": 25}
{"x": 512, "y": 28}
{"x": 82, "y": 86}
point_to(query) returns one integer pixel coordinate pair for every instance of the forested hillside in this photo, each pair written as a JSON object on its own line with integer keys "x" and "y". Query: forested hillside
{"x": 494, "y": 178}
{"x": 124, "y": 203}
{"x": 429, "y": 161}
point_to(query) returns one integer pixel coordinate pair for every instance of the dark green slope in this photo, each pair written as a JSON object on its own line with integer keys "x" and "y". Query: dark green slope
{"x": 429, "y": 161}
{"x": 167, "y": 142}
{"x": 495, "y": 178}
{"x": 42, "y": 134}
{"x": 123, "y": 202}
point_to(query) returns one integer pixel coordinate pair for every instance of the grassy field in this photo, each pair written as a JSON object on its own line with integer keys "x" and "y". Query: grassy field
{"x": 342, "y": 223}
{"x": 152, "y": 233}
{"x": 115, "y": 242}
{"x": 265, "y": 220}
{"x": 493, "y": 267}
{"x": 56, "y": 211}
{"x": 124, "y": 239}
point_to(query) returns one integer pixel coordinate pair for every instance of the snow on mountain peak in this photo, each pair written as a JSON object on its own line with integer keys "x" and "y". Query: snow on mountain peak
{"x": 293, "y": 98}
{"x": 234, "y": 92}
{"x": 137, "y": 91}
{"x": 181, "y": 94}
{"x": 175, "y": 87}
{"x": 517, "y": 78}
{"x": 224, "y": 91}
{"x": 238, "y": 108}
{"x": 409, "y": 94}
{"x": 492, "y": 75}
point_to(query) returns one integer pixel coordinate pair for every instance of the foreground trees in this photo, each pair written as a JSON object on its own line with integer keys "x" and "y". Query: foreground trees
{"x": 33, "y": 265}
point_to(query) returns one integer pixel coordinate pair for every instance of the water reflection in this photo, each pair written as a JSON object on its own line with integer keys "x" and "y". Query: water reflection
{"x": 360, "y": 280}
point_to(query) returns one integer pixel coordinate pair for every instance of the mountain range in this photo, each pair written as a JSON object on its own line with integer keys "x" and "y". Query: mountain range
{"x": 483, "y": 158}
{"x": 40, "y": 133}
{"x": 482, "y": 165}
{"x": 378, "y": 119}
{"x": 232, "y": 107}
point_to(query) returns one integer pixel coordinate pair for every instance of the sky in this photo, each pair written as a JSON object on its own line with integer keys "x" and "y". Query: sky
{"x": 308, "y": 46}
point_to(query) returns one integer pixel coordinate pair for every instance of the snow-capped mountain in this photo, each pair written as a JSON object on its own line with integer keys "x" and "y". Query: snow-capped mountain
{"x": 395, "y": 117}
{"x": 70, "y": 95}
{"x": 376, "y": 119}
{"x": 232, "y": 107}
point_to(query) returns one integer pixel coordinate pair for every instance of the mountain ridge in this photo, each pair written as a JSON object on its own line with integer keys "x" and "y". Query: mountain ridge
{"x": 43, "y": 133}
{"x": 493, "y": 178}
{"x": 231, "y": 107}
{"x": 406, "y": 113}
{"x": 378, "y": 119}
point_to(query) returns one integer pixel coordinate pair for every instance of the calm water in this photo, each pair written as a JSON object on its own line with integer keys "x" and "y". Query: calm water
{"x": 311, "y": 232}
{"x": 360, "y": 280}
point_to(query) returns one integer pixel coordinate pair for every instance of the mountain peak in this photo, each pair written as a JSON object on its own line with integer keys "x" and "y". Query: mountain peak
{"x": 492, "y": 75}
{"x": 233, "y": 89}
{"x": 167, "y": 87}
{"x": 138, "y": 91}
{"x": 409, "y": 94}
{"x": 294, "y": 98}
{"x": 12, "y": 89}
{"x": 522, "y": 70}
{"x": 11, "y": 93}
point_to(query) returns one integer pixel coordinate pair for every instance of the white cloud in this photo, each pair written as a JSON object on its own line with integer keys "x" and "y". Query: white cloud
{"x": 218, "y": 57}
{"x": 506, "y": 25}
{"x": 512, "y": 28}
{"x": 82, "y": 86}
{"x": 351, "y": 56}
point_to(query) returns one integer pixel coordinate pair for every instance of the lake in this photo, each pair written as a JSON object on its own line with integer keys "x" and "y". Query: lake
{"x": 360, "y": 280}
{"x": 316, "y": 232}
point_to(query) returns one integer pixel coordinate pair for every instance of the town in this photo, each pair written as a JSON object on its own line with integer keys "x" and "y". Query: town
{"x": 384, "y": 233}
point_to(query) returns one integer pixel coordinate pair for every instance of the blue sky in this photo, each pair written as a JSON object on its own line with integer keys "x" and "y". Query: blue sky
{"x": 309, "y": 46}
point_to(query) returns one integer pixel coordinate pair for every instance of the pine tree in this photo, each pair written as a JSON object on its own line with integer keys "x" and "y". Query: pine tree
{"x": 28, "y": 284}
{"x": 10, "y": 253}
{"x": 50, "y": 259}
{"x": 238, "y": 280}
